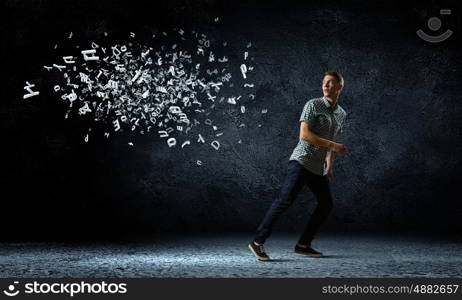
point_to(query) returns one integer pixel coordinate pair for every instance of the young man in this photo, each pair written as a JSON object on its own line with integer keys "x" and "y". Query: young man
{"x": 311, "y": 163}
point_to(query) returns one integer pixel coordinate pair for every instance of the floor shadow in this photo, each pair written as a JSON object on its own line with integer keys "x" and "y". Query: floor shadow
{"x": 325, "y": 256}
{"x": 333, "y": 256}
{"x": 281, "y": 260}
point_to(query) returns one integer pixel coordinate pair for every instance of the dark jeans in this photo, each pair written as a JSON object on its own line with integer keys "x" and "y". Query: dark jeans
{"x": 297, "y": 177}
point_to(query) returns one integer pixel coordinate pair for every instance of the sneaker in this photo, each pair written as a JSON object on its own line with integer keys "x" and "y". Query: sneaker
{"x": 259, "y": 251}
{"x": 307, "y": 251}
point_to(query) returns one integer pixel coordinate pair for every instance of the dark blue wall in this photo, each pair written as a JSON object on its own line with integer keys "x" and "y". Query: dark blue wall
{"x": 402, "y": 96}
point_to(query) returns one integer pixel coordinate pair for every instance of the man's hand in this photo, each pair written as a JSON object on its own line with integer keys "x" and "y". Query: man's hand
{"x": 307, "y": 135}
{"x": 339, "y": 148}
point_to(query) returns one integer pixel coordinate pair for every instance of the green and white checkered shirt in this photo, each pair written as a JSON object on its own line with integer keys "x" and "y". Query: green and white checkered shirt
{"x": 324, "y": 122}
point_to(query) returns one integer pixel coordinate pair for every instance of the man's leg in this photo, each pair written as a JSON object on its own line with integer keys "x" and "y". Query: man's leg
{"x": 319, "y": 185}
{"x": 295, "y": 180}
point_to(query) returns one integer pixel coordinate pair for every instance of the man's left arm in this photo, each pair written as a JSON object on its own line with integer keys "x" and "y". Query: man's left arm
{"x": 330, "y": 164}
{"x": 330, "y": 158}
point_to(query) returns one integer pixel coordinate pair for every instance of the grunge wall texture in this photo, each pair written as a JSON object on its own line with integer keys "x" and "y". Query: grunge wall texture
{"x": 403, "y": 127}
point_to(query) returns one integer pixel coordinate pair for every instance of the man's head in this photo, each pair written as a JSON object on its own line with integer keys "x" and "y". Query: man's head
{"x": 332, "y": 84}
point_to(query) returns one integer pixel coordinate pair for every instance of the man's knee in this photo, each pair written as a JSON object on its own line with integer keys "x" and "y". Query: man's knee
{"x": 286, "y": 200}
{"x": 329, "y": 206}
{"x": 326, "y": 206}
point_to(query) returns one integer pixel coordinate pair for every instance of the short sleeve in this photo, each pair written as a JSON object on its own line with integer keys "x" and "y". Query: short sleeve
{"x": 308, "y": 113}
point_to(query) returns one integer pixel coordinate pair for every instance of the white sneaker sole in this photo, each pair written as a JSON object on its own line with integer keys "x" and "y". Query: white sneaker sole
{"x": 258, "y": 257}
{"x": 311, "y": 255}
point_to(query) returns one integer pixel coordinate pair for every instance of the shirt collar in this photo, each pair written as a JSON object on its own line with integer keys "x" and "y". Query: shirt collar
{"x": 327, "y": 103}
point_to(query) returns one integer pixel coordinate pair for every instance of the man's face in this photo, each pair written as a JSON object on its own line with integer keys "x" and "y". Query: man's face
{"x": 331, "y": 87}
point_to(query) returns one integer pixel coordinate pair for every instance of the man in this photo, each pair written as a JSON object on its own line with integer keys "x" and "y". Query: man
{"x": 311, "y": 163}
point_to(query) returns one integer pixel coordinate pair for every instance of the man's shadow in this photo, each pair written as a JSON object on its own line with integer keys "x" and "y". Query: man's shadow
{"x": 281, "y": 260}
{"x": 330, "y": 256}
{"x": 307, "y": 257}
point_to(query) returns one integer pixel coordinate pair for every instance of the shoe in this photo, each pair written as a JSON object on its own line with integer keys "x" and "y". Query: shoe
{"x": 258, "y": 251}
{"x": 307, "y": 251}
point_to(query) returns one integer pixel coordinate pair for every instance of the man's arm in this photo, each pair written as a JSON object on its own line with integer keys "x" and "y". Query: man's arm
{"x": 330, "y": 160}
{"x": 330, "y": 165}
{"x": 307, "y": 135}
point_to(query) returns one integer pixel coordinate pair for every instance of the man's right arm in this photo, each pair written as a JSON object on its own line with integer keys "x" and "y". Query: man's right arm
{"x": 307, "y": 135}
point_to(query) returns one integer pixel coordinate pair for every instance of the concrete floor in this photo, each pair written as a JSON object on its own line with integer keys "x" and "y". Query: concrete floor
{"x": 228, "y": 256}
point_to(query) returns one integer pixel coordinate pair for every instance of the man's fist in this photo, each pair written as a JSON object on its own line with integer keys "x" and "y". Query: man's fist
{"x": 339, "y": 148}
